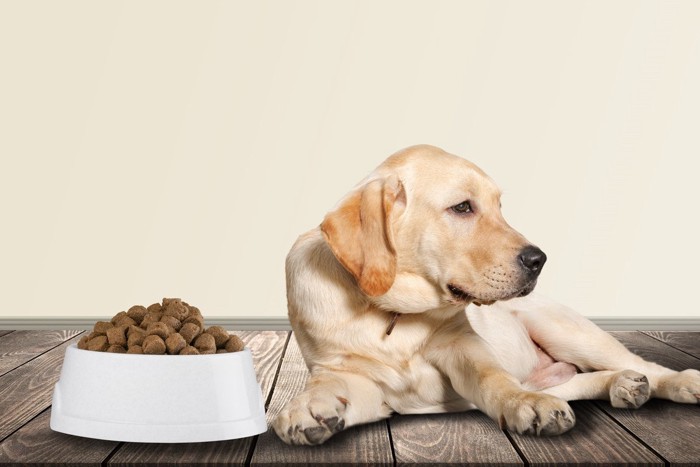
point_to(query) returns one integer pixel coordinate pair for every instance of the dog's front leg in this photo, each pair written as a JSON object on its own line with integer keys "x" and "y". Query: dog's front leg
{"x": 476, "y": 376}
{"x": 330, "y": 402}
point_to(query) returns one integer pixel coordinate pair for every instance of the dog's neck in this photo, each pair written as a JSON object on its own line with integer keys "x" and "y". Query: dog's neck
{"x": 442, "y": 314}
{"x": 410, "y": 293}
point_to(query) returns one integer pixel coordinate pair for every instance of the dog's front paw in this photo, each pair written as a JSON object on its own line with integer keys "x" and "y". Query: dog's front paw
{"x": 538, "y": 414}
{"x": 683, "y": 387}
{"x": 629, "y": 390}
{"x": 310, "y": 418}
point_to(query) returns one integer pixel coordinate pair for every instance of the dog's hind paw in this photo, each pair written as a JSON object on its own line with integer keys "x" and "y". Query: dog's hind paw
{"x": 683, "y": 387}
{"x": 629, "y": 390}
{"x": 310, "y": 419}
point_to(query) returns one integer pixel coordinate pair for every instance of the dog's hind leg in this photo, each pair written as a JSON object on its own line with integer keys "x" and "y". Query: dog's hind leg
{"x": 624, "y": 389}
{"x": 330, "y": 402}
{"x": 569, "y": 337}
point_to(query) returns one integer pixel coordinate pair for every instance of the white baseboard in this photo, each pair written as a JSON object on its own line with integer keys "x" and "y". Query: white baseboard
{"x": 282, "y": 323}
{"x": 647, "y": 324}
{"x": 239, "y": 324}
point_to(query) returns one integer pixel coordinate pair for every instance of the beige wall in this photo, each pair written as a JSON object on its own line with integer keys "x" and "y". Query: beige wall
{"x": 169, "y": 148}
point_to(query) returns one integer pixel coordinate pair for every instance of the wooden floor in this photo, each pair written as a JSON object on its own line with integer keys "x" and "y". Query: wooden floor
{"x": 660, "y": 433}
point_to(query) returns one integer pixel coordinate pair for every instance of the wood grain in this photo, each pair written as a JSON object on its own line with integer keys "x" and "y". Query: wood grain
{"x": 456, "y": 438}
{"x": 365, "y": 444}
{"x": 36, "y": 444}
{"x": 231, "y": 452}
{"x": 26, "y": 391}
{"x": 267, "y": 348}
{"x": 21, "y": 346}
{"x": 688, "y": 342}
{"x": 670, "y": 429}
{"x": 596, "y": 439}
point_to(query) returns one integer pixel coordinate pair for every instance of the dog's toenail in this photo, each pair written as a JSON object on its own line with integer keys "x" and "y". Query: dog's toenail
{"x": 315, "y": 434}
{"x": 331, "y": 423}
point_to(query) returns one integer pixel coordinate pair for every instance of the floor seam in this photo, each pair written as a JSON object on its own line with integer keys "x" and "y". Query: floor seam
{"x": 39, "y": 355}
{"x": 668, "y": 344}
{"x": 520, "y": 453}
{"x": 2, "y": 440}
{"x": 631, "y": 433}
{"x": 254, "y": 442}
{"x": 391, "y": 442}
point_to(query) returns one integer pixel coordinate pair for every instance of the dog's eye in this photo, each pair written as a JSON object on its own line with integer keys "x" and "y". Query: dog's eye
{"x": 462, "y": 208}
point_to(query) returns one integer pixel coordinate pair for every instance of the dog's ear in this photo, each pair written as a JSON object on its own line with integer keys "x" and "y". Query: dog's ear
{"x": 360, "y": 235}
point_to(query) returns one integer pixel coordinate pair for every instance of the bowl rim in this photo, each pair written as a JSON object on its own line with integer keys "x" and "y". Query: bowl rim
{"x": 74, "y": 347}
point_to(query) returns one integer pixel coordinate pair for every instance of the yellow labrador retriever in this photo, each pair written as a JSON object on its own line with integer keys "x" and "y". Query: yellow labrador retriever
{"x": 413, "y": 296}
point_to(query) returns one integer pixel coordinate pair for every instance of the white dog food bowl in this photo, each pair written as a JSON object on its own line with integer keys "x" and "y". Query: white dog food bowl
{"x": 158, "y": 398}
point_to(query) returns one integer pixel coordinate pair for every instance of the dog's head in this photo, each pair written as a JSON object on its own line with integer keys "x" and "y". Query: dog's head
{"x": 425, "y": 230}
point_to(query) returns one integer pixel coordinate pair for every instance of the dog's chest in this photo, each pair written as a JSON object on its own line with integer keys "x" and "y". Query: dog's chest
{"x": 422, "y": 388}
{"x": 395, "y": 361}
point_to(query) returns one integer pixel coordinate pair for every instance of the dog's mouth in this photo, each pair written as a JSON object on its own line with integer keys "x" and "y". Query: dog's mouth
{"x": 460, "y": 295}
{"x": 527, "y": 289}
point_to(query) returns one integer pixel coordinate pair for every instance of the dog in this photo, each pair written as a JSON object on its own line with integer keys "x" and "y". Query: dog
{"x": 415, "y": 296}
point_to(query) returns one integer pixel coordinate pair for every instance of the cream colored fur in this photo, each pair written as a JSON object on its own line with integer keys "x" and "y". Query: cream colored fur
{"x": 394, "y": 244}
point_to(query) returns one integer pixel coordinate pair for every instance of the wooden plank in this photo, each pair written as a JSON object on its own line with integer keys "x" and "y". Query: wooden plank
{"x": 4, "y": 332}
{"x": 455, "y": 438}
{"x": 364, "y": 444}
{"x": 231, "y": 452}
{"x": 670, "y": 429}
{"x": 687, "y": 341}
{"x": 36, "y": 444}
{"x": 21, "y": 346}
{"x": 596, "y": 439}
{"x": 653, "y": 350}
{"x": 27, "y": 390}
{"x": 267, "y": 348}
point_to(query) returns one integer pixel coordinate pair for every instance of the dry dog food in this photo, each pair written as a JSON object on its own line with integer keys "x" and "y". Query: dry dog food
{"x": 172, "y": 327}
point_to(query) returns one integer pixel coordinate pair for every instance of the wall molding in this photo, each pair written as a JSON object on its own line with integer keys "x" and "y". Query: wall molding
{"x": 87, "y": 322}
{"x": 647, "y": 324}
{"x": 251, "y": 323}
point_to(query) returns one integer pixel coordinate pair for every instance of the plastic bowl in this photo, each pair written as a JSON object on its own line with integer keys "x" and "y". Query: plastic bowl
{"x": 157, "y": 398}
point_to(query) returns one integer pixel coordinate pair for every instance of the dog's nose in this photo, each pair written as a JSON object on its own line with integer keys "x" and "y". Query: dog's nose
{"x": 532, "y": 259}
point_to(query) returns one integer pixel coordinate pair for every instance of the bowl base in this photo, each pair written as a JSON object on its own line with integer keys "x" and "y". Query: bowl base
{"x": 157, "y": 433}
